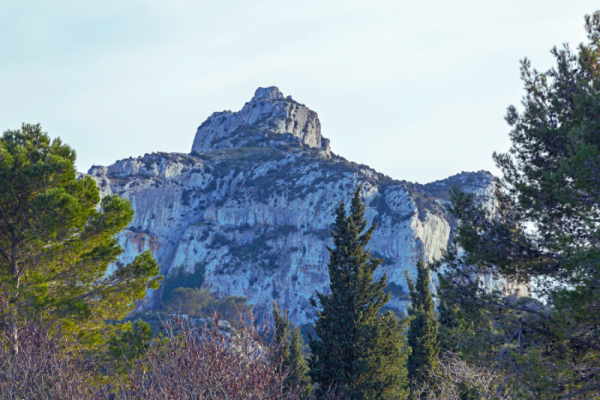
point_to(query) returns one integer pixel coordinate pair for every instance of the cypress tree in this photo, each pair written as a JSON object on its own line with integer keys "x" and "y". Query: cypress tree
{"x": 356, "y": 350}
{"x": 288, "y": 355}
{"x": 282, "y": 323}
{"x": 450, "y": 320}
{"x": 422, "y": 332}
{"x": 297, "y": 366}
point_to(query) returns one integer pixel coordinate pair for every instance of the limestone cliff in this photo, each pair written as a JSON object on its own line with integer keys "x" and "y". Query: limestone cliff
{"x": 267, "y": 112}
{"x": 252, "y": 204}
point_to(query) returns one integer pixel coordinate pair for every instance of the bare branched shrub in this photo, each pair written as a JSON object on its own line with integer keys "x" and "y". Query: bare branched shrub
{"x": 457, "y": 380}
{"x": 204, "y": 361}
{"x": 192, "y": 361}
{"x": 43, "y": 369}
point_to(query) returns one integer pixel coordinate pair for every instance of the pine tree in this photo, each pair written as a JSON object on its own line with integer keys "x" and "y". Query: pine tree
{"x": 56, "y": 244}
{"x": 545, "y": 229}
{"x": 356, "y": 349}
{"x": 459, "y": 325}
{"x": 422, "y": 333}
{"x": 131, "y": 340}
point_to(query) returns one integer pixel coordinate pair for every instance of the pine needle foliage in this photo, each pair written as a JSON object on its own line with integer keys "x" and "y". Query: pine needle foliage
{"x": 356, "y": 350}
{"x": 57, "y": 240}
{"x": 545, "y": 230}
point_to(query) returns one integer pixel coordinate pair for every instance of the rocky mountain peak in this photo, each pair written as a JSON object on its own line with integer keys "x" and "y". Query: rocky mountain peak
{"x": 272, "y": 92}
{"x": 266, "y": 120}
{"x": 248, "y": 212}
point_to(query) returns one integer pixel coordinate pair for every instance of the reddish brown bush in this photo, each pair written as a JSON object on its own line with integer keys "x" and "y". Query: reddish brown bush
{"x": 44, "y": 370}
{"x": 204, "y": 361}
{"x": 193, "y": 361}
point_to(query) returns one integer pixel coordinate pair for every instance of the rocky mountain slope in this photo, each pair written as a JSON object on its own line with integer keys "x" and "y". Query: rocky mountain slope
{"x": 250, "y": 207}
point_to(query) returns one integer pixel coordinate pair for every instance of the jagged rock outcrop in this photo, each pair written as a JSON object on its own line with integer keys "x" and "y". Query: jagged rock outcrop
{"x": 252, "y": 204}
{"x": 268, "y": 112}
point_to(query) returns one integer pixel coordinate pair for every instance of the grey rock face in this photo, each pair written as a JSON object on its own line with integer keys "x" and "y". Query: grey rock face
{"x": 256, "y": 217}
{"x": 267, "y": 112}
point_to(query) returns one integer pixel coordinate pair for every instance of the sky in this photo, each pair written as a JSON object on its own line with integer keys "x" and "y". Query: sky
{"x": 415, "y": 89}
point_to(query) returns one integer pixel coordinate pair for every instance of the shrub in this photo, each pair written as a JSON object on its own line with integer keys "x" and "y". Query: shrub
{"x": 199, "y": 303}
{"x": 181, "y": 278}
{"x": 204, "y": 362}
{"x": 43, "y": 369}
{"x": 191, "y": 360}
{"x": 457, "y": 380}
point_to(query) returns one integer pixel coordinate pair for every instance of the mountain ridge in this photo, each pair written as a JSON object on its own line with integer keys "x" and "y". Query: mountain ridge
{"x": 252, "y": 203}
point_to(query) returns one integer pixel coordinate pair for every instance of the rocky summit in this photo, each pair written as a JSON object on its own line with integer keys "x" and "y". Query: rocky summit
{"x": 249, "y": 208}
{"x": 267, "y": 112}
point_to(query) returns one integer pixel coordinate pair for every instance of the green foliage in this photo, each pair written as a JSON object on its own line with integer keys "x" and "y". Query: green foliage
{"x": 244, "y": 158}
{"x": 188, "y": 301}
{"x": 450, "y": 321}
{"x": 322, "y": 234}
{"x": 253, "y": 249}
{"x": 256, "y": 249}
{"x": 463, "y": 327}
{"x": 56, "y": 245}
{"x": 180, "y": 278}
{"x": 287, "y": 164}
{"x": 199, "y": 303}
{"x": 288, "y": 355}
{"x": 281, "y": 354}
{"x": 424, "y": 200}
{"x": 297, "y": 365}
{"x": 130, "y": 340}
{"x": 422, "y": 333}
{"x": 397, "y": 291}
{"x": 186, "y": 196}
{"x": 356, "y": 349}
{"x": 547, "y": 346}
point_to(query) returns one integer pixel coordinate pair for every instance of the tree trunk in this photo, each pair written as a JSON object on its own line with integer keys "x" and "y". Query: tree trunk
{"x": 14, "y": 327}
{"x": 14, "y": 332}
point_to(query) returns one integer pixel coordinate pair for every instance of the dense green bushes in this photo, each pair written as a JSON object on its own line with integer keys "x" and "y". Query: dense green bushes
{"x": 180, "y": 278}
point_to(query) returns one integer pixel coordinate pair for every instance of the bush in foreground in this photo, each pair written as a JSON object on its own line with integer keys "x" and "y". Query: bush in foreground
{"x": 191, "y": 360}
{"x": 203, "y": 361}
{"x": 45, "y": 368}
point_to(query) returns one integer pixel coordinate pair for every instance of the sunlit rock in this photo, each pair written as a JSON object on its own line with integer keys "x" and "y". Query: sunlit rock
{"x": 253, "y": 203}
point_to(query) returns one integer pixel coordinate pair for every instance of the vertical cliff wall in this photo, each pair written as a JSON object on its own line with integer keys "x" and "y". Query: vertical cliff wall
{"x": 252, "y": 204}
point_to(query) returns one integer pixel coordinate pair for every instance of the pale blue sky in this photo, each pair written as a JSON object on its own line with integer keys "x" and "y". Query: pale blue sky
{"x": 415, "y": 89}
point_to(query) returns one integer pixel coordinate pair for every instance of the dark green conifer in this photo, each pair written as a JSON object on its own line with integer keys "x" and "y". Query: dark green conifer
{"x": 130, "y": 341}
{"x": 281, "y": 355}
{"x": 58, "y": 239}
{"x": 356, "y": 350}
{"x": 288, "y": 355}
{"x": 422, "y": 332}
{"x": 450, "y": 320}
{"x": 297, "y": 366}
{"x": 543, "y": 337}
